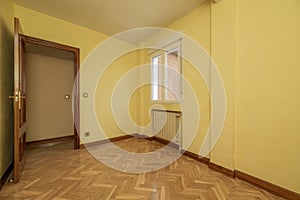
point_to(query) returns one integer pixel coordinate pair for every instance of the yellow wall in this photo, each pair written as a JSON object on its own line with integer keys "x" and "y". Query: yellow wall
{"x": 104, "y": 93}
{"x": 223, "y": 54}
{"x": 256, "y": 47}
{"x": 6, "y": 84}
{"x": 258, "y": 57}
{"x": 268, "y": 91}
{"x": 255, "y": 44}
{"x": 196, "y": 25}
{"x": 50, "y": 28}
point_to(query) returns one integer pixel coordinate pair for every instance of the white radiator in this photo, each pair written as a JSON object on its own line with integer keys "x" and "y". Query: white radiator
{"x": 166, "y": 125}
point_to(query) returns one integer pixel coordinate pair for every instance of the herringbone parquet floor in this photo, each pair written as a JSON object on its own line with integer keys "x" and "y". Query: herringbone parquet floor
{"x": 57, "y": 172}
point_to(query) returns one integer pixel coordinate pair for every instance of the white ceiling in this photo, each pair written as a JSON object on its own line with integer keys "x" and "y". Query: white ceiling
{"x": 114, "y": 16}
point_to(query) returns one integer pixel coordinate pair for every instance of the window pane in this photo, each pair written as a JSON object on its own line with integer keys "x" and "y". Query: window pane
{"x": 156, "y": 78}
{"x": 172, "y": 75}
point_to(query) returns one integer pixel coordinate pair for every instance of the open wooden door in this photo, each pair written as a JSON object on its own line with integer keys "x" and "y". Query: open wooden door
{"x": 19, "y": 97}
{"x": 19, "y": 93}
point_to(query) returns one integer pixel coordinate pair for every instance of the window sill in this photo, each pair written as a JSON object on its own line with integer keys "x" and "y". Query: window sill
{"x": 166, "y": 101}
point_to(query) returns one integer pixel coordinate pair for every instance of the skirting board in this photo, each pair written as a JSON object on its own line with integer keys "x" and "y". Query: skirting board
{"x": 196, "y": 157}
{"x": 6, "y": 175}
{"x": 114, "y": 139}
{"x": 40, "y": 142}
{"x": 270, "y": 187}
{"x": 277, "y": 190}
{"x": 222, "y": 170}
{"x": 165, "y": 142}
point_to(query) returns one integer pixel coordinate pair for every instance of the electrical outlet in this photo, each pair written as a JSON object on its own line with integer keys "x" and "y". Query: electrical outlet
{"x": 86, "y": 134}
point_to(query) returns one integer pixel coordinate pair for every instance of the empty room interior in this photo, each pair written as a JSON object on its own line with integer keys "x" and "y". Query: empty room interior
{"x": 136, "y": 99}
{"x": 49, "y": 86}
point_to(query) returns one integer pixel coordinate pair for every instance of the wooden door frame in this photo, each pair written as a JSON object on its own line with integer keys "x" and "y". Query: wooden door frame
{"x": 76, "y": 51}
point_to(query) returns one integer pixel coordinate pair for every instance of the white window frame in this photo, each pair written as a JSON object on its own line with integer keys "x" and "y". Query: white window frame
{"x": 163, "y": 53}
{"x": 154, "y": 79}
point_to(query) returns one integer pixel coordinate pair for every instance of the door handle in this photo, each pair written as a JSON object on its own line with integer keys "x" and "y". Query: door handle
{"x": 17, "y": 96}
{"x": 20, "y": 97}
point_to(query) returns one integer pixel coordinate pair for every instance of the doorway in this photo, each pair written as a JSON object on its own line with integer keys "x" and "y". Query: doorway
{"x": 49, "y": 106}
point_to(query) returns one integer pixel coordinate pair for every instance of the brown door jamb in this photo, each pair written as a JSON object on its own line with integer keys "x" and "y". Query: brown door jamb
{"x": 76, "y": 51}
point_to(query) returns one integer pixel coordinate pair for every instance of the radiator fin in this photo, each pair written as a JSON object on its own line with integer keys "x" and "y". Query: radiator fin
{"x": 167, "y": 125}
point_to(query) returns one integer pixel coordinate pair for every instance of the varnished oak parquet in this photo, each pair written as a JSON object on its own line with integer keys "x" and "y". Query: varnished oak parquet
{"x": 58, "y": 172}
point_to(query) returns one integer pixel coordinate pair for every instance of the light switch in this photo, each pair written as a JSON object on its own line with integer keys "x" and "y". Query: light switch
{"x": 85, "y": 95}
